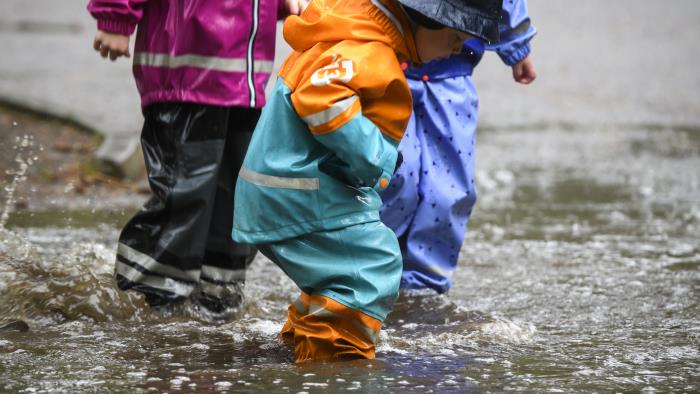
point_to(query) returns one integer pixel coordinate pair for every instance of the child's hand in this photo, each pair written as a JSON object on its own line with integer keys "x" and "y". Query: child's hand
{"x": 111, "y": 44}
{"x": 524, "y": 72}
{"x": 296, "y": 7}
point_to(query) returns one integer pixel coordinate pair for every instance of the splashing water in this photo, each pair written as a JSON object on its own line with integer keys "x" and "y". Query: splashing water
{"x": 23, "y": 147}
{"x": 40, "y": 287}
{"x": 573, "y": 278}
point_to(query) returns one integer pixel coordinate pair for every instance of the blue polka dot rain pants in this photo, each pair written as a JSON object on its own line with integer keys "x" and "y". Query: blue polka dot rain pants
{"x": 431, "y": 195}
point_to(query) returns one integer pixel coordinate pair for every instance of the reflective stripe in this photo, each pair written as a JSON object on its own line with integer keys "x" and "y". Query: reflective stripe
{"x": 278, "y": 182}
{"x": 521, "y": 28}
{"x": 150, "y": 264}
{"x": 331, "y": 113}
{"x": 321, "y": 311}
{"x": 250, "y": 59}
{"x": 299, "y": 305}
{"x": 166, "y": 284}
{"x": 214, "y": 290}
{"x": 222, "y": 274}
{"x": 199, "y": 61}
{"x": 440, "y": 271}
{"x": 388, "y": 14}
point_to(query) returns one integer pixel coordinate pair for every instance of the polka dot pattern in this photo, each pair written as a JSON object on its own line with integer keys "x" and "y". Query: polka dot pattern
{"x": 430, "y": 197}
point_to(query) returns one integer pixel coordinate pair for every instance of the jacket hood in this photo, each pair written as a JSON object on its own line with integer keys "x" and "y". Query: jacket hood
{"x": 364, "y": 20}
{"x": 476, "y": 17}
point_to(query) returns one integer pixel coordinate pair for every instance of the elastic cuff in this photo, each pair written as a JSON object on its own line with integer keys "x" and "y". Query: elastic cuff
{"x": 517, "y": 55}
{"x": 387, "y": 165}
{"x": 116, "y": 27}
{"x": 383, "y": 182}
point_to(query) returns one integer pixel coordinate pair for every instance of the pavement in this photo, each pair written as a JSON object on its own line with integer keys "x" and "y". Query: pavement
{"x": 47, "y": 65}
{"x": 599, "y": 62}
{"x": 627, "y": 62}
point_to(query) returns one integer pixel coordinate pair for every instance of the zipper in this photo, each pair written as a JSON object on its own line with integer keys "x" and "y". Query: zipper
{"x": 250, "y": 63}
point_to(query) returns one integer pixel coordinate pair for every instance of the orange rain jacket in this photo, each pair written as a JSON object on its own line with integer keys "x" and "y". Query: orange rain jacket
{"x": 326, "y": 141}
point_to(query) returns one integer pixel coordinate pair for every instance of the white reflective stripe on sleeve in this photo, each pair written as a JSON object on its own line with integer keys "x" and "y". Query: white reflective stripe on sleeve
{"x": 166, "y": 284}
{"x": 222, "y": 274}
{"x": 147, "y": 262}
{"x": 199, "y": 61}
{"x": 278, "y": 182}
{"x": 389, "y": 15}
{"x": 331, "y": 113}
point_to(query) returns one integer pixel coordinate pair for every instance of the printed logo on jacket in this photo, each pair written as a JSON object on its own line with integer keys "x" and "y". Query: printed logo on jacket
{"x": 339, "y": 70}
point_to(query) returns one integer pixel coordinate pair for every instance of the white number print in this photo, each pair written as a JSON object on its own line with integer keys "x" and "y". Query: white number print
{"x": 342, "y": 71}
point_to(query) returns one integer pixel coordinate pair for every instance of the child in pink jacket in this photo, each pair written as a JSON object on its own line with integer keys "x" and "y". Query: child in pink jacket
{"x": 201, "y": 70}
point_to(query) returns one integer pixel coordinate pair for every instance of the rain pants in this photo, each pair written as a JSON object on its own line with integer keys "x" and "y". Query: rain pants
{"x": 431, "y": 195}
{"x": 307, "y": 193}
{"x": 179, "y": 244}
{"x": 201, "y": 71}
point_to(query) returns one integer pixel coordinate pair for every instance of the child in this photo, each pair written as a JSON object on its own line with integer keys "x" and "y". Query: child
{"x": 201, "y": 71}
{"x": 326, "y": 144}
{"x": 431, "y": 195}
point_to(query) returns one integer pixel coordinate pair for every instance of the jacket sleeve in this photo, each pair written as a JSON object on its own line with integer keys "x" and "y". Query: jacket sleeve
{"x": 516, "y": 31}
{"x": 117, "y": 16}
{"x": 355, "y": 102}
{"x": 282, "y": 11}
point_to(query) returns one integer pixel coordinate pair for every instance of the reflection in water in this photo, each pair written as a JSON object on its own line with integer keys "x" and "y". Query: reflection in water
{"x": 581, "y": 272}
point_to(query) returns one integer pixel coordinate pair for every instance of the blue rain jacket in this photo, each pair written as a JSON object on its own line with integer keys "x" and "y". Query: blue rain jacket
{"x": 516, "y": 31}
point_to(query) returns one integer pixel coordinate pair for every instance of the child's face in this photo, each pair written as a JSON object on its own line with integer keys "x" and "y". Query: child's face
{"x": 438, "y": 44}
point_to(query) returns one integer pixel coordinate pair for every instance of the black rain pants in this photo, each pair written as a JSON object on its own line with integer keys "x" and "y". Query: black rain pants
{"x": 179, "y": 244}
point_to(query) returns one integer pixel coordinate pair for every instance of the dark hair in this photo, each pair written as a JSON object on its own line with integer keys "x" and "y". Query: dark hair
{"x": 422, "y": 20}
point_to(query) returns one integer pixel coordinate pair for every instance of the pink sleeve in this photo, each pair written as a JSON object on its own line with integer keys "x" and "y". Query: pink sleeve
{"x": 117, "y": 16}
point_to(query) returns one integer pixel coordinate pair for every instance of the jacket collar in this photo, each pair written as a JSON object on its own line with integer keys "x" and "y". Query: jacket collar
{"x": 392, "y": 18}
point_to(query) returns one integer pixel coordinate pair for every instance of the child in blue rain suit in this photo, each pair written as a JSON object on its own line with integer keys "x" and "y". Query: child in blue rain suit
{"x": 431, "y": 195}
{"x": 326, "y": 144}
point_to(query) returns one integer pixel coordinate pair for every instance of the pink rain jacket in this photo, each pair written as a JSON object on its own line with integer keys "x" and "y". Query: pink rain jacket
{"x": 217, "y": 52}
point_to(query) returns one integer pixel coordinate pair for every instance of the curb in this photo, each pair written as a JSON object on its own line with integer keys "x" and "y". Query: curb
{"x": 119, "y": 155}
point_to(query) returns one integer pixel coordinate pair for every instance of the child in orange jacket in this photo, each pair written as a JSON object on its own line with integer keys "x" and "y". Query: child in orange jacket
{"x": 326, "y": 144}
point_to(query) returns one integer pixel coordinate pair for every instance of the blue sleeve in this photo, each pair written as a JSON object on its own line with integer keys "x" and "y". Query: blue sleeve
{"x": 362, "y": 155}
{"x": 516, "y": 32}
